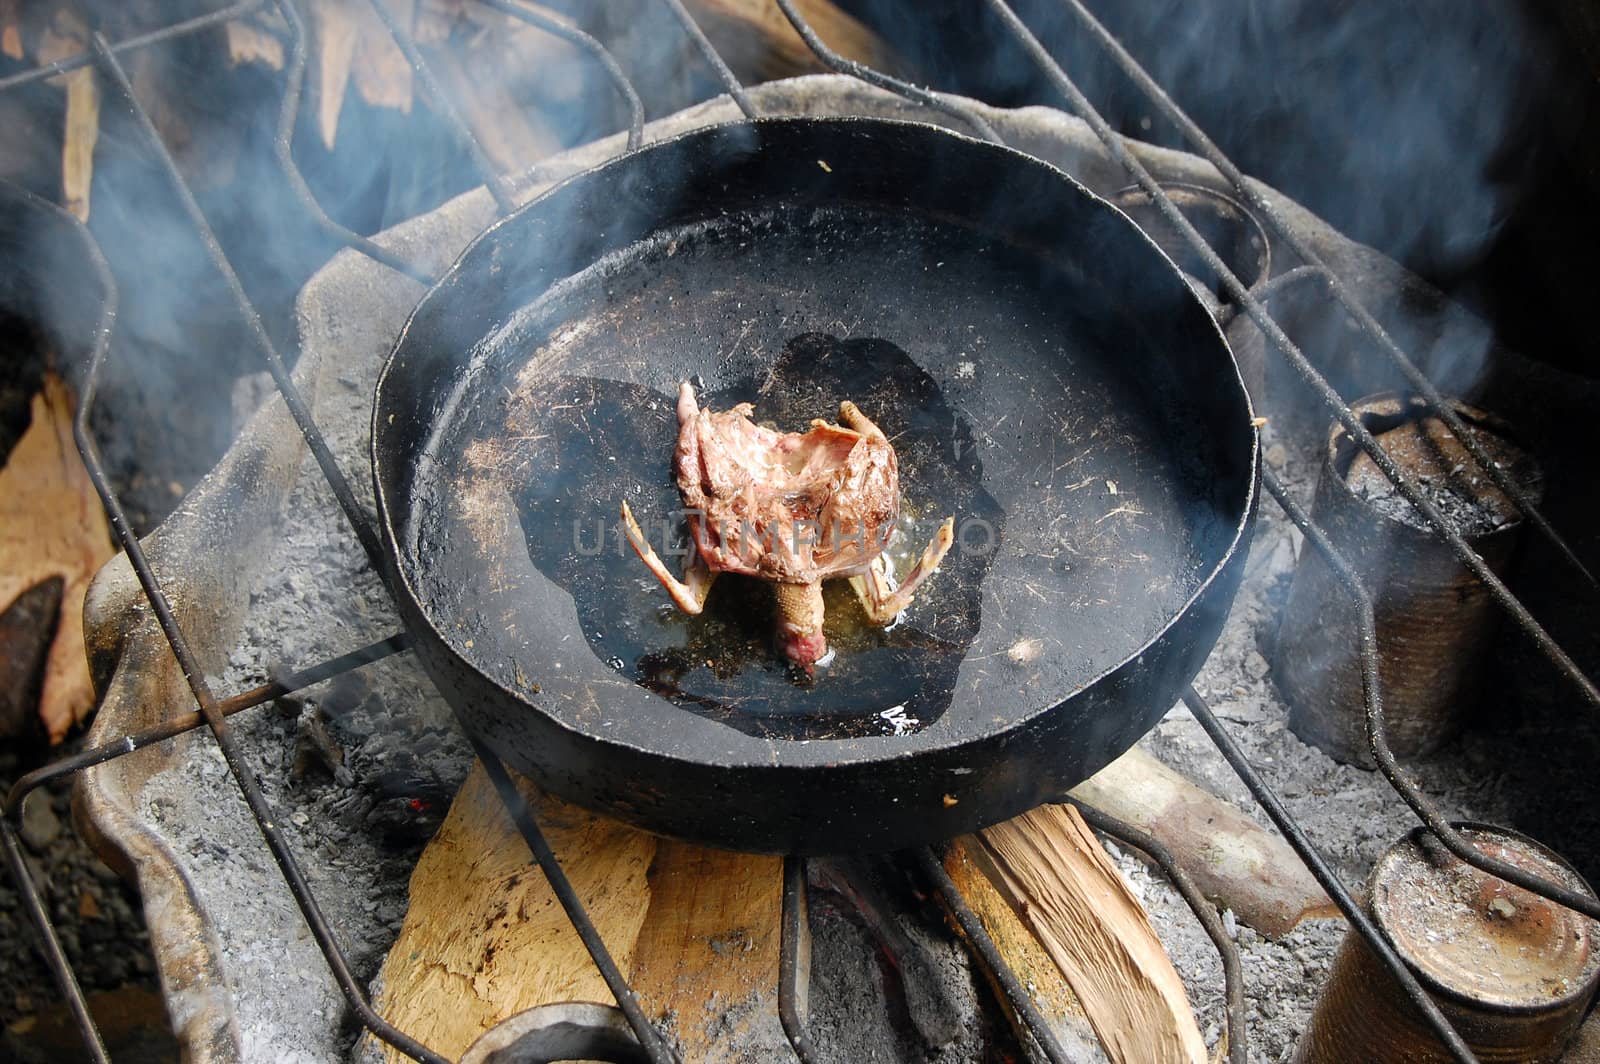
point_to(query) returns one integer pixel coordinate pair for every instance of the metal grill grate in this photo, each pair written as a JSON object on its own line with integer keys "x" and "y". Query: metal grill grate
{"x": 106, "y": 59}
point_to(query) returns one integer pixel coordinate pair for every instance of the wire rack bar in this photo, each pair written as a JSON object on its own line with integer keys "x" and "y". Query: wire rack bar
{"x": 165, "y": 33}
{"x": 50, "y": 944}
{"x": 493, "y": 180}
{"x": 112, "y": 67}
{"x": 861, "y": 72}
{"x": 1326, "y": 877}
{"x": 654, "y": 1045}
{"x": 1377, "y": 739}
{"x": 283, "y": 148}
{"x": 189, "y": 664}
{"x": 713, "y": 58}
{"x": 795, "y": 938}
{"x": 1437, "y": 404}
{"x": 1403, "y": 481}
{"x": 1408, "y": 790}
{"x": 1025, "y": 1011}
{"x": 180, "y": 723}
{"x": 794, "y": 960}
{"x": 532, "y": 16}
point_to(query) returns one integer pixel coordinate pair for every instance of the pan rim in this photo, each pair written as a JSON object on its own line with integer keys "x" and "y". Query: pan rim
{"x": 742, "y": 751}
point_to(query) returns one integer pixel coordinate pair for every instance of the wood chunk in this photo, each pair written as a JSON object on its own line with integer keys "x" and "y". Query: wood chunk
{"x": 335, "y": 27}
{"x": 52, "y": 524}
{"x": 485, "y": 937}
{"x": 11, "y": 29}
{"x": 1235, "y": 862}
{"x": 708, "y": 950}
{"x": 380, "y": 70}
{"x": 249, "y": 44}
{"x": 759, "y": 44}
{"x": 487, "y": 81}
{"x": 695, "y": 930}
{"x": 1059, "y": 882}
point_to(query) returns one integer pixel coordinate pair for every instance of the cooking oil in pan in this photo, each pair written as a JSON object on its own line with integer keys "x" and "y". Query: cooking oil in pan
{"x": 603, "y": 441}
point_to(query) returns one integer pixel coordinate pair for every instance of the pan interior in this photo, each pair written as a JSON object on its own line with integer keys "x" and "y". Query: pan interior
{"x": 1018, "y": 402}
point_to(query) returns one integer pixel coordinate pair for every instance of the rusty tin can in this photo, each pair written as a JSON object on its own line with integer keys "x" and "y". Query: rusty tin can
{"x": 1512, "y": 972}
{"x": 1434, "y": 618}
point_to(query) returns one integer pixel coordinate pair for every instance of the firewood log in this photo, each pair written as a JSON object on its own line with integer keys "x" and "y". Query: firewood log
{"x": 1056, "y": 877}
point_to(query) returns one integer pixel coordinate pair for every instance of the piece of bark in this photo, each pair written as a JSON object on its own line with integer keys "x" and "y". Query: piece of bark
{"x": 1022, "y": 953}
{"x": 52, "y": 524}
{"x": 759, "y": 44}
{"x": 1235, "y": 862}
{"x": 1056, "y": 877}
{"x": 27, "y": 628}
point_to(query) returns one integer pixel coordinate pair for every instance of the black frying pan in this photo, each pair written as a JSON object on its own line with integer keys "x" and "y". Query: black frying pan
{"x": 1048, "y": 380}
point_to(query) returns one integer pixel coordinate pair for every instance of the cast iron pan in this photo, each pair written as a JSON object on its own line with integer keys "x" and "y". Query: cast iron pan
{"x": 1045, "y": 374}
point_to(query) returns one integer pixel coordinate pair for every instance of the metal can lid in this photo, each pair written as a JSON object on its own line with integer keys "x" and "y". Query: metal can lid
{"x": 1477, "y": 938}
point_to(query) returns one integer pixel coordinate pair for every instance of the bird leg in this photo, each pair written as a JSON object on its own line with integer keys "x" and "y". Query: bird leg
{"x": 883, "y": 603}
{"x": 853, "y": 418}
{"x": 689, "y": 593}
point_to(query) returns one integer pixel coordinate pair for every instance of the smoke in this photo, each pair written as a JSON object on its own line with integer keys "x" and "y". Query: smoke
{"x": 1407, "y": 126}
{"x": 1395, "y": 122}
{"x": 373, "y": 147}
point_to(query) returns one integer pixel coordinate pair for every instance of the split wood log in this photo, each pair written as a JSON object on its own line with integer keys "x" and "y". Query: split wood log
{"x": 694, "y": 930}
{"x": 1022, "y": 953}
{"x": 52, "y": 524}
{"x": 350, "y": 43}
{"x": 380, "y": 70}
{"x": 759, "y": 44}
{"x": 78, "y": 141}
{"x": 66, "y": 35}
{"x": 1235, "y": 862}
{"x": 1056, "y": 877}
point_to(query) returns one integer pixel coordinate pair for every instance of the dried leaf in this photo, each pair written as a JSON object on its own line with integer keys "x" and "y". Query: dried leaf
{"x": 51, "y": 523}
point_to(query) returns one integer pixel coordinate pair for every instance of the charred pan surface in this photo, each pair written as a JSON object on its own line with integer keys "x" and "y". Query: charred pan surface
{"x": 1089, "y": 392}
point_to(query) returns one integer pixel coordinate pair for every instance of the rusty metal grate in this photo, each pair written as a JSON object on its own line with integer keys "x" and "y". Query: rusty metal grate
{"x": 106, "y": 59}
